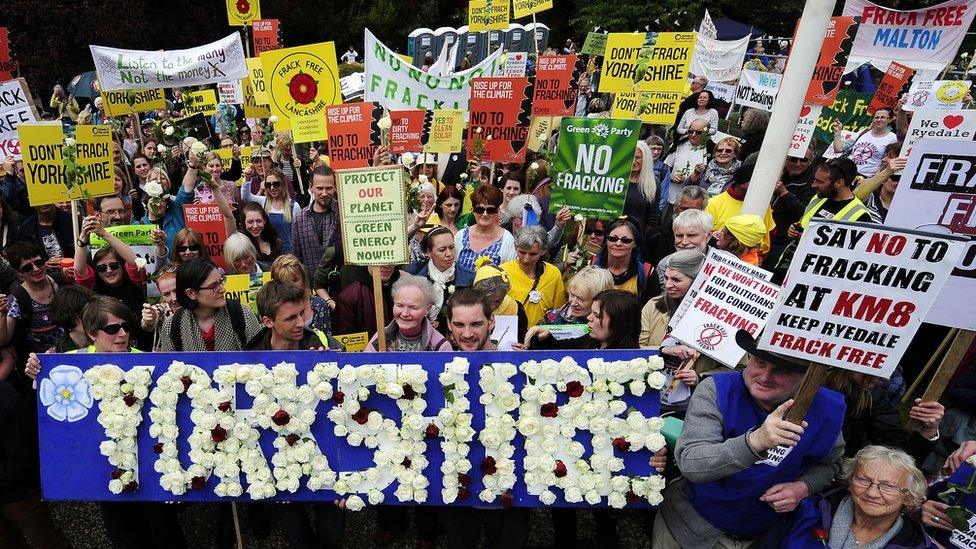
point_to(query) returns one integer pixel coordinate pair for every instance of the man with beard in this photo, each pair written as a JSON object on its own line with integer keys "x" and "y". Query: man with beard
{"x": 790, "y": 196}
{"x": 316, "y": 227}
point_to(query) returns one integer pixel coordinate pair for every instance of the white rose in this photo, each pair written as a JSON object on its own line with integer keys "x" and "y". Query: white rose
{"x": 655, "y": 380}
{"x": 617, "y": 500}
{"x": 154, "y": 189}
{"x": 140, "y": 263}
{"x": 655, "y": 424}
{"x": 407, "y": 159}
{"x": 198, "y": 148}
{"x": 169, "y": 130}
{"x": 637, "y": 387}
{"x": 529, "y": 426}
{"x": 384, "y": 124}
{"x": 655, "y": 498}
{"x": 618, "y": 407}
{"x": 535, "y": 165}
{"x": 354, "y": 503}
{"x": 655, "y": 442}
{"x": 592, "y": 497}
{"x": 547, "y": 498}
{"x": 161, "y": 149}
{"x": 69, "y": 141}
{"x": 272, "y": 120}
{"x": 375, "y": 497}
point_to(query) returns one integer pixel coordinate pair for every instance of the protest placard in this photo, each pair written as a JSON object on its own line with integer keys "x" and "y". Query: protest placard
{"x": 432, "y": 396}
{"x": 939, "y": 124}
{"x": 649, "y": 107}
{"x": 9, "y": 67}
{"x": 242, "y": 13}
{"x": 126, "y": 102}
{"x": 719, "y": 60}
{"x": 396, "y": 84}
{"x": 301, "y": 83}
{"x": 856, "y": 294}
{"x": 620, "y": 62}
{"x": 373, "y": 215}
{"x": 936, "y": 94}
{"x": 486, "y": 15}
{"x": 46, "y": 170}
{"x": 446, "y": 128}
{"x": 851, "y": 108}
{"x": 525, "y": 8}
{"x": 353, "y": 343}
{"x": 926, "y": 38}
{"x": 16, "y": 108}
{"x": 892, "y": 85}
{"x": 809, "y": 114}
{"x": 936, "y": 195}
{"x": 540, "y": 131}
{"x": 226, "y": 156}
{"x": 208, "y": 221}
{"x": 137, "y": 237}
{"x": 758, "y": 89}
{"x": 265, "y": 35}
{"x": 218, "y": 61}
{"x": 353, "y": 135}
{"x": 255, "y": 72}
{"x": 556, "y": 88}
{"x": 717, "y": 258}
{"x": 515, "y": 64}
{"x": 231, "y": 93}
{"x": 251, "y": 107}
{"x": 499, "y": 108}
{"x": 593, "y": 161}
{"x": 827, "y": 75}
{"x": 727, "y": 300}
{"x": 666, "y": 64}
{"x": 200, "y": 102}
{"x": 408, "y": 130}
{"x": 595, "y": 43}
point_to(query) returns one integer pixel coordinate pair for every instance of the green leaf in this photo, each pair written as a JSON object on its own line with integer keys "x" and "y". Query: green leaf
{"x": 960, "y": 517}
{"x": 946, "y": 495}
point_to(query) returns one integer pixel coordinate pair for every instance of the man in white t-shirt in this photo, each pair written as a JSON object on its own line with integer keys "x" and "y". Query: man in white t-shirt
{"x": 868, "y": 149}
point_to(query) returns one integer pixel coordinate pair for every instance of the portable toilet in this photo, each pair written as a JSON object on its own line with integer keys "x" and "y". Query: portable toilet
{"x": 419, "y": 43}
{"x": 541, "y": 36}
{"x": 496, "y": 39}
{"x": 515, "y": 38}
{"x": 443, "y": 35}
{"x": 474, "y": 43}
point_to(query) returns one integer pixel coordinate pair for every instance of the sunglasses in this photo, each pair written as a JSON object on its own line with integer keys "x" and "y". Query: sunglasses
{"x": 624, "y": 239}
{"x": 730, "y": 151}
{"x": 112, "y": 329}
{"x": 190, "y": 248}
{"x": 794, "y": 159}
{"x": 481, "y": 210}
{"x": 595, "y": 232}
{"x": 36, "y": 264}
{"x": 695, "y": 132}
{"x": 110, "y": 266}
{"x": 272, "y": 184}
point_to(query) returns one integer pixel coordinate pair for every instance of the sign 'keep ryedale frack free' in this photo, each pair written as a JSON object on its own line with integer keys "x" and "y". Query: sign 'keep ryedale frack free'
{"x": 496, "y": 429}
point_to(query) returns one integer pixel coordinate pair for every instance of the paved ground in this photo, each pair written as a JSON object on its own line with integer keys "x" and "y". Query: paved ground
{"x": 82, "y": 522}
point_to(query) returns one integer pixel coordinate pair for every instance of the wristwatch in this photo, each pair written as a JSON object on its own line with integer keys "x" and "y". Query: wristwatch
{"x": 82, "y": 243}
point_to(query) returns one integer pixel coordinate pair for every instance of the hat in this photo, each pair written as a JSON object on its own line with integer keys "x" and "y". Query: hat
{"x": 749, "y": 229}
{"x": 486, "y": 270}
{"x": 261, "y": 152}
{"x": 745, "y": 340}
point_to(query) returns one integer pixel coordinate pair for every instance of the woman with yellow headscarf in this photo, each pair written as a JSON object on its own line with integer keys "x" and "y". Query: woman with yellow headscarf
{"x": 495, "y": 284}
{"x": 742, "y": 237}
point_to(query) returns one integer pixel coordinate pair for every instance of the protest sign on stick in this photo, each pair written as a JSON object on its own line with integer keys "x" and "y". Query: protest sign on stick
{"x": 373, "y": 215}
{"x": 595, "y": 43}
{"x": 485, "y": 15}
{"x": 667, "y": 62}
{"x": 556, "y": 89}
{"x": 126, "y": 102}
{"x": 499, "y": 107}
{"x": 939, "y": 124}
{"x": 936, "y": 94}
{"x": 9, "y": 67}
{"x": 208, "y": 221}
{"x": 200, "y": 102}
{"x": 301, "y": 82}
{"x": 353, "y": 134}
{"x": 827, "y": 75}
{"x": 522, "y": 8}
{"x": 409, "y": 130}
{"x": 445, "y": 128}
{"x": 892, "y": 85}
{"x": 242, "y": 13}
{"x": 137, "y": 237}
{"x": 16, "y": 108}
{"x": 51, "y": 177}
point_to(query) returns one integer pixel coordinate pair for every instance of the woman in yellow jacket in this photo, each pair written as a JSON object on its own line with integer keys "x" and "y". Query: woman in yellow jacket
{"x": 535, "y": 283}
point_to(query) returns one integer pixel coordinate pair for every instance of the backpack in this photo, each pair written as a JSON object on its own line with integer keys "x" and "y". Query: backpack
{"x": 234, "y": 308}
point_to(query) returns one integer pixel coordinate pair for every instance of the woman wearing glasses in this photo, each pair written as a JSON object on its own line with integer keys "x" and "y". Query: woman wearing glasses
{"x": 29, "y": 326}
{"x": 718, "y": 172}
{"x": 279, "y": 205}
{"x": 206, "y": 321}
{"x": 621, "y": 256}
{"x": 485, "y": 238}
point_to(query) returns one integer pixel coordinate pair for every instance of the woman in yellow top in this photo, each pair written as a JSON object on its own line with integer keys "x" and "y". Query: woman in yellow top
{"x": 621, "y": 256}
{"x": 536, "y": 284}
{"x": 742, "y": 237}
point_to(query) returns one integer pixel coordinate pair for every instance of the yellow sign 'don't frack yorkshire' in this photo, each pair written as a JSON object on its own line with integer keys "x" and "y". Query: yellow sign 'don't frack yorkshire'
{"x": 117, "y": 103}
{"x": 242, "y": 13}
{"x": 446, "y": 127}
{"x": 301, "y": 83}
{"x": 251, "y": 107}
{"x": 203, "y": 101}
{"x": 44, "y": 165}
{"x": 373, "y": 215}
{"x": 258, "y": 85}
{"x": 649, "y": 107}
{"x": 524, "y": 8}
{"x": 667, "y": 63}
{"x": 620, "y": 62}
{"x": 485, "y": 15}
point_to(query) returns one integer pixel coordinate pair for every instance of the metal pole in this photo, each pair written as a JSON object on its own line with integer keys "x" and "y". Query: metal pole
{"x": 789, "y": 101}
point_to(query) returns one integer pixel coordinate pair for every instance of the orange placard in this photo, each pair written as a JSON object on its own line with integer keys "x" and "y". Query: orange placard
{"x": 408, "y": 130}
{"x": 266, "y": 35}
{"x": 556, "y": 86}
{"x": 837, "y": 43}
{"x": 353, "y": 134}
{"x": 894, "y": 83}
{"x": 208, "y": 220}
{"x": 499, "y": 110}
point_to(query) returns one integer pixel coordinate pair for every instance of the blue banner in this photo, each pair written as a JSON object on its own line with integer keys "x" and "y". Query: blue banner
{"x": 489, "y": 429}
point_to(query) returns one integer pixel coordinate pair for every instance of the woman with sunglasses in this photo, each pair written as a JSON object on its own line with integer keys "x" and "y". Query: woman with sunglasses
{"x": 279, "y": 205}
{"x": 188, "y": 244}
{"x": 718, "y": 172}
{"x": 621, "y": 256}
{"x": 262, "y": 234}
{"x": 485, "y": 238}
{"x": 29, "y": 326}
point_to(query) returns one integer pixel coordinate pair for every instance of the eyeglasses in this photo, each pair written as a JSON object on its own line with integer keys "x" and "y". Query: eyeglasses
{"x": 272, "y": 184}
{"x": 110, "y": 266}
{"x": 28, "y": 267}
{"x": 695, "y": 132}
{"x": 886, "y": 488}
{"x": 112, "y": 329}
{"x": 481, "y": 210}
{"x": 190, "y": 248}
{"x": 729, "y": 151}
{"x": 215, "y": 287}
{"x": 595, "y": 232}
{"x": 795, "y": 160}
{"x": 623, "y": 239}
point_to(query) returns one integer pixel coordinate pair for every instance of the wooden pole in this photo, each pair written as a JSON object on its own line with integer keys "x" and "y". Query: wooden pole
{"x": 812, "y": 380}
{"x": 928, "y": 365}
{"x": 237, "y": 525}
{"x": 947, "y": 368}
{"x": 247, "y": 40}
{"x": 378, "y": 308}
{"x": 74, "y": 220}
{"x": 686, "y": 365}
{"x": 535, "y": 41}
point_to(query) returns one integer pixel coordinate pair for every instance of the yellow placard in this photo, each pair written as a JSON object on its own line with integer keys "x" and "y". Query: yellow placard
{"x": 226, "y": 156}
{"x": 446, "y": 126}
{"x": 242, "y": 13}
{"x": 116, "y": 103}
{"x": 539, "y": 126}
{"x": 620, "y": 62}
{"x": 486, "y": 15}
{"x": 44, "y": 166}
{"x": 238, "y": 286}
{"x": 251, "y": 107}
{"x": 353, "y": 342}
{"x": 523, "y": 8}
{"x": 649, "y": 107}
{"x": 668, "y": 62}
{"x": 256, "y": 77}
{"x": 203, "y": 101}
{"x": 301, "y": 83}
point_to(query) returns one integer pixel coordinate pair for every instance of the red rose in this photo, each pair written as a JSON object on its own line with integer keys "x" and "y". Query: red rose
{"x": 291, "y": 439}
{"x": 464, "y": 479}
{"x": 632, "y": 498}
{"x": 224, "y": 406}
{"x": 560, "y": 470}
{"x": 303, "y": 88}
{"x": 186, "y": 382}
{"x": 131, "y": 487}
{"x": 158, "y": 448}
{"x": 198, "y": 483}
{"x": 820, "y": 533}
{"x": 621, "y": 444}
{"x": 339, "y": 397}
{"x": 218, "y": 434}
{"x": 432, "y": 431}
{"x": 488, "y": 466}
{"x": 281, "y": 418}
{"x": 362, "y": 416}
{"x": 507, "y": 500}
{"x": 129, "y": 400}
{"x": 574, "y": 389}
{"x": 243, "y": 6}
{"x": 549, "y": 410}
{"x": 406, "y": 462}
{"x": 408, "y": 392}
{"x": 116, "y": 474}
{"x": 463, "y": 493}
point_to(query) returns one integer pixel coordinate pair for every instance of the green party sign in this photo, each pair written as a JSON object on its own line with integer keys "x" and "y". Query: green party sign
{"x": 593, "y": 164}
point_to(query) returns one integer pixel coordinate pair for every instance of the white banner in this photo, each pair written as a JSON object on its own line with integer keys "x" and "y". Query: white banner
{"x": 722, "y": 91}
{"x": 809, "y": 115}
{"x": 758, "y": 89}
{"x": 707, "y": 27}
{"x": 927, "y": 38}
{"x": 16, "y": 108}
{"x": 717, "y": 60}
{"x": 398, "y": 85}
{"x": 935, "y": 195}
{"x": 856, "y": 294}
{"x": 212, "y": 63}
{"x": 937, "y": 124}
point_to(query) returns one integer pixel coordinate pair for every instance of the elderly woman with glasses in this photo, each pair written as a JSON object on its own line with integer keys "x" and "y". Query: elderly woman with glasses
{"x": 718, "y": 172}
{"x": 241, "y": 256}
{"x": 580, "y": 290}
{"x": 536, "y": 283}
{"x": 485, "y": 238}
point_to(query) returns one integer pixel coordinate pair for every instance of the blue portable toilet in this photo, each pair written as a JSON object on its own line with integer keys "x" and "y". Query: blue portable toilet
{"x": 496, "y": 39}
{"x": 515, "y": 38}
{"x": 419, "y": 43}
{"x": 541, "y": 37}
{"x": 443, "y": 35}
{"x": 473, "y": 43}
